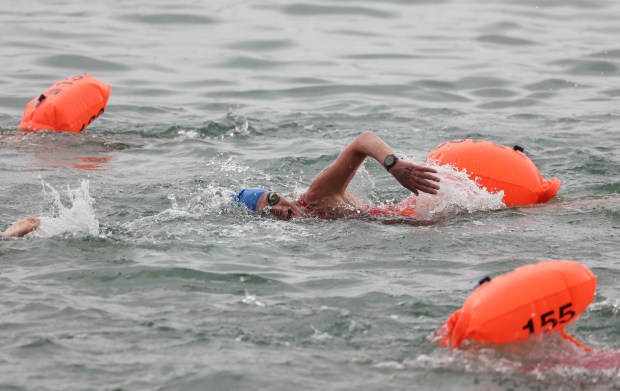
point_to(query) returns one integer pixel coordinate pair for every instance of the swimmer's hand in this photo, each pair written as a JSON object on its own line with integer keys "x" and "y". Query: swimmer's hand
{"x": 22, "y": 227}
{"x": 415, "y": 177}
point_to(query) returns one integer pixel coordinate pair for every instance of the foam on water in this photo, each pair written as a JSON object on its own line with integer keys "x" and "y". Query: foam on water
{"x": 551, "y": 358}
{"x": 457, "y": 194}
{"x": 76, "y": 219}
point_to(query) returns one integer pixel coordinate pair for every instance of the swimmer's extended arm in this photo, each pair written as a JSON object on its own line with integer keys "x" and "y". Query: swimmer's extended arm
{"x": 335, "y": 178}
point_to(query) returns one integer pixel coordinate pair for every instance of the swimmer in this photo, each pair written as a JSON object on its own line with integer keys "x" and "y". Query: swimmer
{"x": 22, "y": 227}
{"x": 327, "y": 196}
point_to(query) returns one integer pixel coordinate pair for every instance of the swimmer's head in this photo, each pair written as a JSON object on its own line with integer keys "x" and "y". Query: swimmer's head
{"x": 259, "y": 200}
{"x": 249, "y": 198}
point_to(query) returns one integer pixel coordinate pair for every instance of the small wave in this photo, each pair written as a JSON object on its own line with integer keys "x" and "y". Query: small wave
{"x": 507, "y": 104}
{"x": 325, "y": 10}
{"x": 552, "y": 360}
{"x": 234, "y": 124}
{"x": 262, "y": 44}
{"x": 504, "y": 40}
{"x": 587, "y": 67}
{"x": 249, "y": 62}
{"x": 72, "y": 61}
{"x": 551, "y": 85}
{"x": 608, "y": 306}
{"x": 169, "y": 19}
{"x": 76, "y": 219}
{"x": 494, "y": 93}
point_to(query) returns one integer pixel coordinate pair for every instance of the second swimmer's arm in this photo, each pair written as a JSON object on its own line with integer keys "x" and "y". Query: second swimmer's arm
{"x": 22, "y": 227}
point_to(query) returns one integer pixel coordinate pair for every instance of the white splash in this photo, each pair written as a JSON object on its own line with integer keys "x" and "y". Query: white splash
{"x": 319, "y": 335}
{"x": 457, "y": 194}
{"x": 252, "y": 300}
{"x": 76, "y": 219}
{"x": 240, "y": 122}
{"x": 188, "y": 134}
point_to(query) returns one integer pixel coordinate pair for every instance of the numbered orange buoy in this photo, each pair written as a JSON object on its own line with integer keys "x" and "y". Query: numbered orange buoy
{"x": 498, "y": 168}
{"x": 69, "y": 105}
{"x": 533, "y": 299}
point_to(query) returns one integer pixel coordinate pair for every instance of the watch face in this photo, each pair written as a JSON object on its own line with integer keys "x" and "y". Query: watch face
{"x": 389, "y": 161}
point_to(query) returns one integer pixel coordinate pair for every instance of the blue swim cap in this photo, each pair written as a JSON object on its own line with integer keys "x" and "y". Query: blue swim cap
{"x": 249, "y": 197}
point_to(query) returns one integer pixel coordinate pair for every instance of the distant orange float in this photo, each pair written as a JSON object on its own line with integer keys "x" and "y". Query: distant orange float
{"x": 498, "y": 168}
{"x": 535, "y": 299}
{"x": 69, "y": 105}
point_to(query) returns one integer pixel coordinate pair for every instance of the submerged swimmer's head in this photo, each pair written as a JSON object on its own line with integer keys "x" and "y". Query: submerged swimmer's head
{"x": 262, "y": 200}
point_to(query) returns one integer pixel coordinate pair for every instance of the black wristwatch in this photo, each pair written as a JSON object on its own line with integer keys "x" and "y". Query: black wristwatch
{"x": 389, "y": 161}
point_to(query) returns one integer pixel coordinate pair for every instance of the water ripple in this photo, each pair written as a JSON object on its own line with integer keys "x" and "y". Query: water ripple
{"x": 607, "y": 54}
{"x": 505, "y": 104}
{"x": 328, "y": 10}
{"x": 551, "y": 84}
{"x": 494, "y": 93}
{"x": 169, "y": 18}
{"x": 266, "y": 45}
{"x": 73, "y": 61}
{"x": 381, "y": 56}
{"x": 589, "y": 67}
{"x": 504, "y": 40}
{"x": 248, "y": 62}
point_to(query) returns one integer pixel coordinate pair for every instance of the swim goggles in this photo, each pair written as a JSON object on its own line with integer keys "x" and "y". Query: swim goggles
{"x": 273, "y": 199}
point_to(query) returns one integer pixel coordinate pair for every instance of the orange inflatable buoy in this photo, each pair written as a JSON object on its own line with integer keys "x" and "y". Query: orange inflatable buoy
{"x": 69, "y": 105}
{"x": 533, "y": 299}
{"x": 498, "y": 168}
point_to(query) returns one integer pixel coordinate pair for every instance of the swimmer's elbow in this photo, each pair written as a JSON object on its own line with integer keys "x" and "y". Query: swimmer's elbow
{"x": 364, "y": 138}
{"x": 367, "y": 134}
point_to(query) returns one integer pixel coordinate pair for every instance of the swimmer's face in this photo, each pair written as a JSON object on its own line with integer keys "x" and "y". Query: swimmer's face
{"x": 278, "y": 206}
